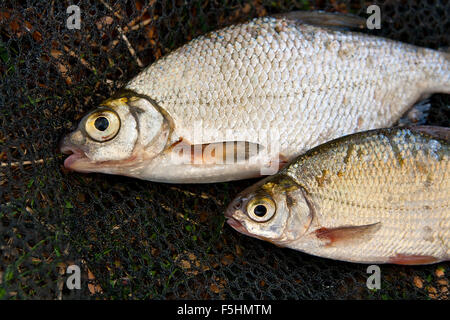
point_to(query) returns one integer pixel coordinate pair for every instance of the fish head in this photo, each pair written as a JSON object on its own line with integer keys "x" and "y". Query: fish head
{"x": 275, "y": 210}
{"x": 119, "y": 137}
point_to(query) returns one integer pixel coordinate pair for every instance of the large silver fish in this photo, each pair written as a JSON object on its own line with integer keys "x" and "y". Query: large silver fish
{"x": 381, "y": 196}
{"x": 241, "y": 101}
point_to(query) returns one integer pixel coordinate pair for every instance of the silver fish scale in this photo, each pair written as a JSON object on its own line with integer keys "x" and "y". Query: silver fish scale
{"x": 399, "y": 180}
{"x": 303, "y": 84}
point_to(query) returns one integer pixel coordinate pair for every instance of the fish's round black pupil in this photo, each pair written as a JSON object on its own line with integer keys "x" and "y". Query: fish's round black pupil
{"x": 260, "y": 210}
{"x": 101, "y": 123}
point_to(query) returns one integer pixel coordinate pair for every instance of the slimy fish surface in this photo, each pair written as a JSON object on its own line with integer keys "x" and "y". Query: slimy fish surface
{"x": 258, "y": 93}
{"x": 381, "y": 196}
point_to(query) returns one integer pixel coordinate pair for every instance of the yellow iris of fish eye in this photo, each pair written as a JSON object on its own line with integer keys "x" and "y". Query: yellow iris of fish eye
{"x": 266, "y": 207}
{"x": 111, "y": 125}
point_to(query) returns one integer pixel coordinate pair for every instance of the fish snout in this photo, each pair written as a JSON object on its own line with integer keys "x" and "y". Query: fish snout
{"x": 76, "y": 154}
{"x": 233, "y": 207}
{"x": 64, "y": 145}
{"x": 235, "y": 213}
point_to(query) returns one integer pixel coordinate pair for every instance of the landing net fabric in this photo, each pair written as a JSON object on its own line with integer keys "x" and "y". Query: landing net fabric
{"x": 137, "y": 239}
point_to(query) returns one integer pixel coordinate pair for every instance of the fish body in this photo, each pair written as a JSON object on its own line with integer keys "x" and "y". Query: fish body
{"x": 381, "y": 196}
{"x": 275, "y": 83}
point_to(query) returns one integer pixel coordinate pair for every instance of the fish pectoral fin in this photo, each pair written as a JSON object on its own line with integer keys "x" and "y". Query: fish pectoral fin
{"x": 218, "y": 152}
{"x": 230, "y": 151}
{"x": 346, "y": 234}
{"x": 325, "y": 19}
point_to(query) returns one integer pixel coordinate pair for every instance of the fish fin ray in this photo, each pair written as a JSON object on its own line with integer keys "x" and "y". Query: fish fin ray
{"x": 218, "y": 152}
{"x": 417, "y": 115}
{"x": 408, "y": 259}
{"x": 282, "y": 161}
{"x": 346, "y": 234}
{"x": 326, "y": 19}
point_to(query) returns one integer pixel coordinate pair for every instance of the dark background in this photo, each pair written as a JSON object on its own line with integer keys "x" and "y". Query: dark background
{"x": 138, "y": 239}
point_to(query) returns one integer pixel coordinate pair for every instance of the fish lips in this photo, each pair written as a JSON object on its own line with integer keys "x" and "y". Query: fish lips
{"x": 76, "y": 157}
{"x": 233, "y": 209}
{"x": 236, "y": 225}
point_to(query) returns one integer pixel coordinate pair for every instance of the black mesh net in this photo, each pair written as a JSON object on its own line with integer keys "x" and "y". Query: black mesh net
{"x": 136, "y": 239}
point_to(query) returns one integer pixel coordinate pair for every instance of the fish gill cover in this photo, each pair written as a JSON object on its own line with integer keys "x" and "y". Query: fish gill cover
{"x": 138, "y": 239}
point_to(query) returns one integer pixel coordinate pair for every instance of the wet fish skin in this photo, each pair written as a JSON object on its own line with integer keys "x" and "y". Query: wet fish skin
{"x": 381, "y": 196}
{"x": 300, "y": 84}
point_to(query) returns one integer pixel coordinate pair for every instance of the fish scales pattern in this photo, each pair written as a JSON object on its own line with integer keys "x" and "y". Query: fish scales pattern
{"x": 399, "y": 180}
{"x": 305, "y": 83}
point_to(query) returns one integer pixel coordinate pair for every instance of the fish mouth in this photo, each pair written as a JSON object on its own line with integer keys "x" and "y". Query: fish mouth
{"x": 237, "y": 225}
{"x": 76, "y": 157}
{"x": 232, "y": 211}
{"x": 78, "y": 160}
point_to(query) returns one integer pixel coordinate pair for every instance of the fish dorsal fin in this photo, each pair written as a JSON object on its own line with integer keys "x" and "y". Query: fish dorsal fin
{"x": 442, "y": 133}
{"x": 325, "y": 19}
{"x": 346, "y": 234}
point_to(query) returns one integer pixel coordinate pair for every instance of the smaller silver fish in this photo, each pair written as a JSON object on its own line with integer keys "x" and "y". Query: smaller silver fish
{"x": 380, "y": 196}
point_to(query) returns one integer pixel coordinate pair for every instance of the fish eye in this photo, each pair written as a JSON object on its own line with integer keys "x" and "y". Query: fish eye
{"x": 261, "y": 210}
{"x": 102, "y": 125}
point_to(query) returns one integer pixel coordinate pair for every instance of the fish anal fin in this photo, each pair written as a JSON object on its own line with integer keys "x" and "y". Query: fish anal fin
{"x": 227, "y": 152}
{"x": 412, "y": 259}
{"x": 417, "y": 115}
{"x": 325, "y": 19}
{"x": 346, "y": 234}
